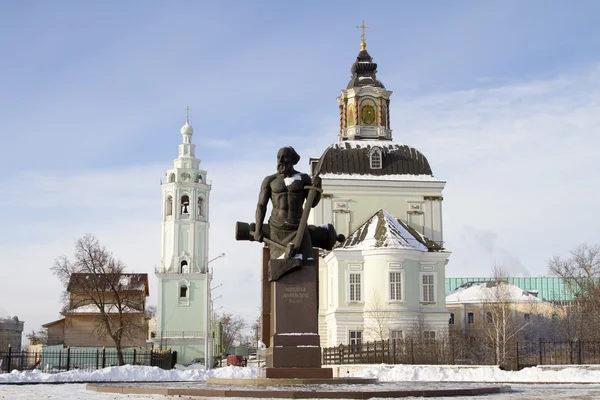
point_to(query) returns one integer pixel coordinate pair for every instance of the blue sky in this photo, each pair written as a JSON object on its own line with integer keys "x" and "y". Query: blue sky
{"x": 501, "y": 96}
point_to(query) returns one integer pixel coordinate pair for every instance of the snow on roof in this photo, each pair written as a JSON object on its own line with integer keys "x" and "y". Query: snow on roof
{"x": 397, "y": 177}
{"x": 384, "y": 230}
{"x": 490, "y": 291}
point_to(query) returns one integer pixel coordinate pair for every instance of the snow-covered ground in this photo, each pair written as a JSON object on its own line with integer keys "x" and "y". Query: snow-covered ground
{"x": 385, "y": 373}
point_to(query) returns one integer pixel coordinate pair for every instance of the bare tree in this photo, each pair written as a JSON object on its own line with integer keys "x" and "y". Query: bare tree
{"x": 581, "y": 274}
{"x": 38, "y": 337}
{"x": 500, "y": 325}
{"x": 233, "y": 327}
{"x": 377, "y": 318}
{"x": 96, "y": 280}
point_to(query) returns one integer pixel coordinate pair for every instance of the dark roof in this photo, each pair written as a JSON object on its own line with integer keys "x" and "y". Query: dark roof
{"x": 385, "y": 230}
{"x": 364, "y": 72}
{"x": 127, "y": 281}
{"x": 352, "y": 157}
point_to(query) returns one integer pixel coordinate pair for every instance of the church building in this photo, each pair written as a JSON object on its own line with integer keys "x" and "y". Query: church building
{"x": 386, "y": 280}
{"x": 183, "y": 317}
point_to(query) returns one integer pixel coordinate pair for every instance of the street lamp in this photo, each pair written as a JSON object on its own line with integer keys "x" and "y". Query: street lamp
{"x": 207, "y": 316}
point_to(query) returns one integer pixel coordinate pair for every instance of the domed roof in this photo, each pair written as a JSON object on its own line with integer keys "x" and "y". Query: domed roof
{"x": 364, "y": 72}
{"x": 187, "y": 129}
{"x": 353, "y": 157}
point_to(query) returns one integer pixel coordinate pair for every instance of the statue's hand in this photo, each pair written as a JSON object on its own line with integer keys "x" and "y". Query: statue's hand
{"x": 258, "y": 236}
{"x": 316, "y": 181}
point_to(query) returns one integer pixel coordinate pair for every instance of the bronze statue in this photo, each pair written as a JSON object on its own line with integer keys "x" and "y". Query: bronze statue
{"x": 289, "y": 238}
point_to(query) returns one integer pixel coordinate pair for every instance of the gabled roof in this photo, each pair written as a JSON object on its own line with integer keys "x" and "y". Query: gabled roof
{"x": 383, "y": 230}
{"x": 132, "y": 282}
{"x": 62, "y": 320}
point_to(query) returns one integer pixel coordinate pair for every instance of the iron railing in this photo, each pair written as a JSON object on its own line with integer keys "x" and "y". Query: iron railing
{"x": 513, "y": 355}
{"x": 60, "y": 360}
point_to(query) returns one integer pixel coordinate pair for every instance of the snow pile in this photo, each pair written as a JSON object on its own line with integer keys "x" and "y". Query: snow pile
{"x": 489, "y": 374}
{"x": 385, "y": 373}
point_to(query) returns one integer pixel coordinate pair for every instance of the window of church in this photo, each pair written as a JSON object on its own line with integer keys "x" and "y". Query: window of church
{"x": 375, "y": 158}
{"x": 355, "y": 340}
{"x": 428, "y": 288}
{"x": 171, "y": 178}
{"x": 169, "y": 206}
{"x": 350, "y": 120}
{"x": 183, "y": 290}
{"x": 354, "y": 286}
{"x": 396, "y": 334}
{"x": 200, "y": 209}
{"x": 184, "y": 267}
{"x": 185, "y": 206}
{"x": 395, "y": 279}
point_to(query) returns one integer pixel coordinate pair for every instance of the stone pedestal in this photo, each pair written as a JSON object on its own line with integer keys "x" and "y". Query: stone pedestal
{"x": 294, "y": 345}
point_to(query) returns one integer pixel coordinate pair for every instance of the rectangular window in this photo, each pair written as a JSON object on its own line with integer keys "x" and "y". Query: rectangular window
{"x": 396, "y": 335}
{"x": 429, "y": 335}
{"x": 355, "y": 338}
{"x": 489, "y": 318}
{"x": 396, "y": 286}
{"x": 451, "y": 320}
{"x": 428, "y": 287}
{"x": 470, "y": 318}
{"x": 354, "y": 288}
{"x": 526, "y": 316}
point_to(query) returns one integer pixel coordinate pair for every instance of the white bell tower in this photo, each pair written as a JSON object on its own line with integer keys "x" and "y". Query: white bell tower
{"x": 184, "y": 287}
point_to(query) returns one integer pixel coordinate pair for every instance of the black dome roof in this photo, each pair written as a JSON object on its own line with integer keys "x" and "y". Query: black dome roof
{"x": 364, "y": 72}
{"x": 353, "y": 157}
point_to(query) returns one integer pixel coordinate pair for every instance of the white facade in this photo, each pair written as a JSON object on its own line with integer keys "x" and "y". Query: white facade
{"x": 369, "y": 290}
{"x": 182, "y": 321}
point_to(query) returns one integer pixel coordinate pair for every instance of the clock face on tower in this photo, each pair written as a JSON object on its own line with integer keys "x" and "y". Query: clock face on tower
{"x": 368, "y": 114}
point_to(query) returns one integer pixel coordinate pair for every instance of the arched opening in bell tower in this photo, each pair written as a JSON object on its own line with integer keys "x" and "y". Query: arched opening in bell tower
{"x": 185, "y": 205}
{"x": 184, "y": 267}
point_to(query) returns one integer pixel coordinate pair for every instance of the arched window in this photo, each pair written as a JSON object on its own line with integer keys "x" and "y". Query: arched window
{"x": 199, "y": 178}
{"x": 185, "y": 205}
{"x": 375, "y": 156}
{"x": 200, "y": 209}
{"x": 384, "y": 117}
{"x": 171, "y": 178}
{"x": 184, "y": 267}
{"x": 183, "y": 291}
{"x": 350, "y": 120}
{"x": 169, "y": 206}
{"x": 185, "y": 177}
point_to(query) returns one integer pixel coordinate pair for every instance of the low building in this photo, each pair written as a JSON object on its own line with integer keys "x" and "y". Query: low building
{"x": 79, "y": 326}
{"x": 475, "y": 307}
{"x": 11, "y": 332}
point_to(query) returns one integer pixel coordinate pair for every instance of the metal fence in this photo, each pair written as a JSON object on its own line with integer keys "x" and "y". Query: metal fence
{"x": 60, "y": 360}
{"x": 515, "y": 355}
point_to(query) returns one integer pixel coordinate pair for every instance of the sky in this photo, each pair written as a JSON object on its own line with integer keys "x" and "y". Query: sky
{"x": 502, "y": 97}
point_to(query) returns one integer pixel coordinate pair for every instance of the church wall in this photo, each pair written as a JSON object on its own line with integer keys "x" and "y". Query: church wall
{"x": 179, "y": 317}
{"x": 349, "y": 203}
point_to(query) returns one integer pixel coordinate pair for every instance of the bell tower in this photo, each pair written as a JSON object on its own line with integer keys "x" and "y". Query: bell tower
{"x": 183, "y": 287}
{"x": 364, "y": 104}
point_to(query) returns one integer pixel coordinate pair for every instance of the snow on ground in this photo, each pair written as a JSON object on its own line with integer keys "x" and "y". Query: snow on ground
{"x": 387, "y": 373}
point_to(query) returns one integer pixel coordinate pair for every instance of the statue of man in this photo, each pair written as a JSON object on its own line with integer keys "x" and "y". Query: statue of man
{"x": 287, "y": 190}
